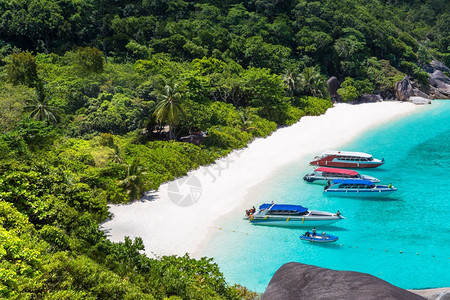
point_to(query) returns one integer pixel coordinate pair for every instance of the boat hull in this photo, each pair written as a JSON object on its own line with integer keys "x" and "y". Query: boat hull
{"x": 319, "y": 239}
{"x": 293, "y": 222}
{"x": 339, "y": 164}
{"x": 359, "y": 193}
{"x": 323, "y": 180}
{"x": 347, "y": 160}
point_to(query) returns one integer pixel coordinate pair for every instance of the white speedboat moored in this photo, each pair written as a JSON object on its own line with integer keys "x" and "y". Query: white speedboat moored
{"x": 291, "y": 215}
{"x": 323, "y": 174}
{"x": 346, "y": 159}
{"x": 357, "y": 188}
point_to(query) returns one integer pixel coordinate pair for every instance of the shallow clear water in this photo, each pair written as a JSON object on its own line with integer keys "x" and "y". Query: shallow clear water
{"x": 403, "y": 239}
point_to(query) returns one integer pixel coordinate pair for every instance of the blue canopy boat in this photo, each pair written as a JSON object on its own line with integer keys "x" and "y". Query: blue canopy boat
{"x": 291, "y": 215}
{"x": 357, "y": 188}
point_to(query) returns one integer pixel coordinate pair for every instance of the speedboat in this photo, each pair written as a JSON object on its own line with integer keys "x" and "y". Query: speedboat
{"x": 323, "y": 174}
{"x": 357, "y": 188}
{"x": 346, "y": 159}
{"x": 291, "y": 215}
{"x": 319, "y": 238}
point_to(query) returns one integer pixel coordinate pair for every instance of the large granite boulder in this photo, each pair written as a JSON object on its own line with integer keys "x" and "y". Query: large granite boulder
{"x": 440, "y": 77}
{"x": 300, "y": 281}
{"x": 439, "y": 82}
{"x": 333, "y": 86}
{"x": 405, "y": 89}
{"x": 439, "y": 85}
{"x": 437, "y": 65}
{"x": 419, "y": 100}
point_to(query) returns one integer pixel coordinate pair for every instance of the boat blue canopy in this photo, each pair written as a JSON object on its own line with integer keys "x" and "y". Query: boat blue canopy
{"x": 353, "y": 181}
{"x": 290, "y": 207}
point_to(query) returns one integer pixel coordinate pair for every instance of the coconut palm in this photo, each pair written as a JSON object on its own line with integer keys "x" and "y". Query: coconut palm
{"x": 133, "y": 183}
{"x": 39, "y": 107}
{"x": 290, "y": 78}
{"x": 116, "y": 157}
{"x": 245, "y": 120}
{"x": 313, "y": 83}
{"x": 169, "y": 108}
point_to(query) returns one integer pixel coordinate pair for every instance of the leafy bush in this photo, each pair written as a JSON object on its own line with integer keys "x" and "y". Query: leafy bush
{"x": 22, "y": 69}
{"x": 262, "y": 127}
{"x": 351, "y": 89}
{"x": 421, "y": 76}
{"x": 313, "y": 106}
{"x": 294, "y": 115}
{"x": 227, "y": 138}
{"x": 382, "y": 74}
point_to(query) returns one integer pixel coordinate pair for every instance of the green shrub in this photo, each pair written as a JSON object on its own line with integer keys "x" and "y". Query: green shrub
{"x": 294, "y": 115}
{"x": 227, "y": 138}
{"x": 22, "y": 69}
{"x": 313, "y": 106}
{"x": 421, "y": 76}
{"x": 262, "y": 127}
{"x": 55, "y": 236}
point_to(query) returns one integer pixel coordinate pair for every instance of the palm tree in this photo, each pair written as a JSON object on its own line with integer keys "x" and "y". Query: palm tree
{"x": 133, "y": 183}
{"x": 313, "y": 83}
{"x": 116, "y": 157}
{"x": 40, "y": 109}
{"x": 169, "y": 108}
{"x": 290, "y": 78}
{"x": 245, "y": 120}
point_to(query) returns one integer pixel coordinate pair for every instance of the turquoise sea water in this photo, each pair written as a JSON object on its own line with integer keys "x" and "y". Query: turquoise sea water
{"x": 403, "y": 239}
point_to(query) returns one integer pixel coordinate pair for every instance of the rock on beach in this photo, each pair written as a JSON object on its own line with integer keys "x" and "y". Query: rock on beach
{"x": 300, "y": 281}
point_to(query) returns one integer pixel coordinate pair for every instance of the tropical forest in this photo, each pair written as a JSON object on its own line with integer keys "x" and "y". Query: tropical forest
{"x": 101, "y": 101}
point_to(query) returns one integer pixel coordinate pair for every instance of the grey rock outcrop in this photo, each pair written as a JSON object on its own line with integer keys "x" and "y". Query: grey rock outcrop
{"x": 439, "y": 77}
{"x": 419, "y": 100}
{"x": 301, "y": 281}
{"x": 434, "y": 294}
{"x": 439, "y": 82}
{"x": 333, "y": 86}
{"x": 437, "y": 65}
{"x": 405, "y": 89}
{"x": 371, "y": 98}
{"x": 439, "y": 85}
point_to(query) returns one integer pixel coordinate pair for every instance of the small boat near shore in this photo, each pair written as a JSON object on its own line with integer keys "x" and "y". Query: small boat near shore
{"x": 321, "y": 175}
{"x": 291, "y": 215}
{"x": 357, "y": 188}
{"x": 319, "y": 238}
{"x": 346, "y": 159}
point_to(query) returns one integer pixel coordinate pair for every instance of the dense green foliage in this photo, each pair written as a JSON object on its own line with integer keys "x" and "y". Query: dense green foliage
{"x": 94, "y": 96}
{"x": 338, "y": 36}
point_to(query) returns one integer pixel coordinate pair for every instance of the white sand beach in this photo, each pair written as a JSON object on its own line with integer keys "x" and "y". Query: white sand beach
{"x": 178, "y": 218}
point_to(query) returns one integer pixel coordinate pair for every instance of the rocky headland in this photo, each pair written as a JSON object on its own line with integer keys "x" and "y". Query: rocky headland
{"x": 407, "y": 89}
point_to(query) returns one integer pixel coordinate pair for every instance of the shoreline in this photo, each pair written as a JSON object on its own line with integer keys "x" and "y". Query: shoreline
{"x": 180, "y": 217}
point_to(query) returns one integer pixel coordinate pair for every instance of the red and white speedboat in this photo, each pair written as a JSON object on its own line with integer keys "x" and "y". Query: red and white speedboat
{"x": 322, "y": 175}
{"x": 346, "y": 159}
